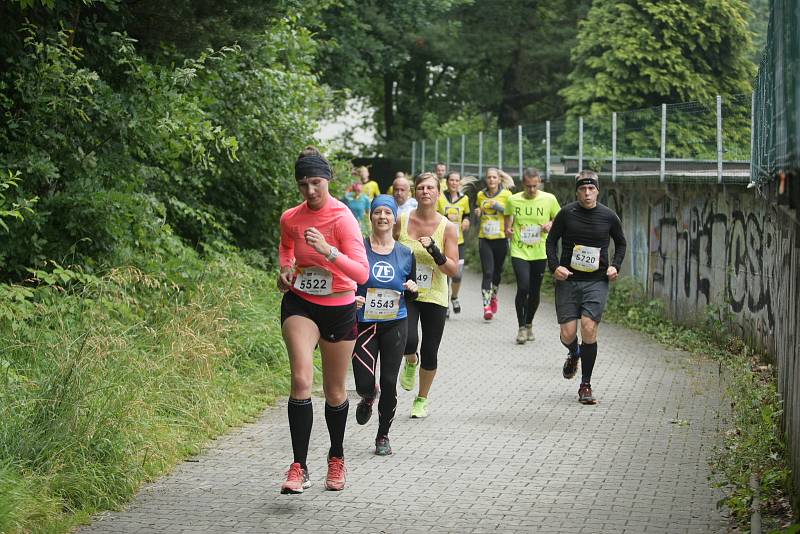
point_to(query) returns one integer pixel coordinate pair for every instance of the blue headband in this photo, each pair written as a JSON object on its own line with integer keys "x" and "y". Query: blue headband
{"x": 384, "y": 200}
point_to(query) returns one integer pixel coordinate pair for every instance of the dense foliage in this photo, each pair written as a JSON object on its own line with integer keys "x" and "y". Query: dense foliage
{"x": 122, "y": 149}
{"x": 640, "y": 53}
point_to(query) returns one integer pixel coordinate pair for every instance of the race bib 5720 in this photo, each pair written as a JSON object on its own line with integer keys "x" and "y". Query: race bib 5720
{"x": 585, "y": 259}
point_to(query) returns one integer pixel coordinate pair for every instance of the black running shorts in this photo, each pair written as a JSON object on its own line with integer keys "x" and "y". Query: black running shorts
{"x": 335, "y": 323}
{"x": 577, "y": 298}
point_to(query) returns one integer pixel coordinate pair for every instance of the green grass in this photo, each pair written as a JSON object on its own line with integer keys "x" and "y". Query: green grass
{"x": 111, "y": 382}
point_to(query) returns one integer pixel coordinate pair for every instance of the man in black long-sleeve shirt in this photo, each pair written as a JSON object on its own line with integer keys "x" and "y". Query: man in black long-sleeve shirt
{"x": 582, "y": 273}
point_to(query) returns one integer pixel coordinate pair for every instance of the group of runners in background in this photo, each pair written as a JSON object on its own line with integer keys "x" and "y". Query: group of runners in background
{"x": 364, "y": 298}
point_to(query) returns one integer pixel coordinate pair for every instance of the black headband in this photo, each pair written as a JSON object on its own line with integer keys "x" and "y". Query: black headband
{"x": 312, "y": 166}
{"x": 586, "y": 181}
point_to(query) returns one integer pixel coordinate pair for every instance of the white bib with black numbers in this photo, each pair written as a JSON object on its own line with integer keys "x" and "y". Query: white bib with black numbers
{"x": 491, "y": 227}
{"x": 585, "y": 259}
{"x": 381, "y": 304}
{"x": 424, "y": 276}
{"x": 314, "y": 281}
{"x": 530, "y": 234}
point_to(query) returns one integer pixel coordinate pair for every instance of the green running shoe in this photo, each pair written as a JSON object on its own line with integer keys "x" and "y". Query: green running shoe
{"x": 408, "y": 377}
{"x": 419, "y": 410}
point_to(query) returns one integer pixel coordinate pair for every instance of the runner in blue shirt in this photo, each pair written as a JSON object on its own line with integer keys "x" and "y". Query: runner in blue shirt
{"x": 382, "y": 325}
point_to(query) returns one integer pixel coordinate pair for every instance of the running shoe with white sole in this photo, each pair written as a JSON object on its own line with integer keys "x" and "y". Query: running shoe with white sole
{"x": 456, "y": 305}
{"x": 529, "y": 332}
{"x": 522, "y": 335}
{"x": 408, "y": 376}
{"x": 296, "y": 480}
{"x": 334, "y": 481}
{"x": 419, "y": 410}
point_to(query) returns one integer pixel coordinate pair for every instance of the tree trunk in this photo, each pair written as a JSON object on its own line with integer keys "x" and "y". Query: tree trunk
{"x": 508, "y": 114}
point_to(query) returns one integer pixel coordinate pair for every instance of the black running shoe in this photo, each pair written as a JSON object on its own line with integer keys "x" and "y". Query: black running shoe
{"x": 364, "y": 410}
{"x": 570, "y": 366}
{"x": 456, "y": 305}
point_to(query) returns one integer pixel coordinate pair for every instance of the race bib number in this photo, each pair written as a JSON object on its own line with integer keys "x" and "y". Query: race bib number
{"x": 314, "y": 281}
{"x": 586, "y": 259}
{"x": 530, "y": 234}
{"x": 453, "y": 214}
{"x": 424, "y": 276}
{"x": 491, "y": 227}
{"x": 381, "y": 304}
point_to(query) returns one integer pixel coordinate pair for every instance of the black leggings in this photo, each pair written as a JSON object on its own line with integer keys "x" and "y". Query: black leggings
{"x": 529, "y": 282}
{"x": 432, "y": 316}
{"x": 493, "y": 254}
{"x": 385, "y": 340}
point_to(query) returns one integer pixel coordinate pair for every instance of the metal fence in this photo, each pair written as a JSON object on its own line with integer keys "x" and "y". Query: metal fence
{"x": 776, "y": 139}
{"x": 689, "y": 141}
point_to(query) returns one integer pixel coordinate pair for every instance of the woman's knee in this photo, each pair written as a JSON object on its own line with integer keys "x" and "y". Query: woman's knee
{"x": 429, "y": 360}
{"x": 301, "y": 386}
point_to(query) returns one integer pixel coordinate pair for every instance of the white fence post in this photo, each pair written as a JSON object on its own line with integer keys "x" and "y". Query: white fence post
{"x": 413, "y": 157}
{"x": 447, "y": 160}
{"x": 663, "y": 168}
{"x": 463, "y": 142}
{"x": 719, "y": 139}
{"x": 480, "y": 154}
{"x": 580, "y": 144}
{"x": 547, "y": 151}
{"x": 519, "y": 143}
{"x": 614, "y": 146}
{"x": 422, "y": 158}
{"x": 500, "y": 149}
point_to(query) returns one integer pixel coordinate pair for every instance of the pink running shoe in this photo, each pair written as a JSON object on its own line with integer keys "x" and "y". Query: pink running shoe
{"x": 493, "y": 304}
{"x": 335, "y": 479}
{"x": 296, "y": 480}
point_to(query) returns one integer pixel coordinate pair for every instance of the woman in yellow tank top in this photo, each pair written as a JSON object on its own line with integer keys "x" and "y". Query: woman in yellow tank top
{"x": 434, "y": 242}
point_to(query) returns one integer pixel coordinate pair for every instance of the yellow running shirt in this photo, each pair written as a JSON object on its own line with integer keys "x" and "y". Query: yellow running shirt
{"x": 371, "y": 189}
{"x": 432, "y": 282}
{"x": 492, "y": 226}
{"x": 455, "y": 211}
{"x": 528, "y": 241}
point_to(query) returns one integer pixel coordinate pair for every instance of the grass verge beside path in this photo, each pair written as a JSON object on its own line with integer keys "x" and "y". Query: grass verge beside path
{"x": 110, "y": 382}
{"x": 753, "y": 442}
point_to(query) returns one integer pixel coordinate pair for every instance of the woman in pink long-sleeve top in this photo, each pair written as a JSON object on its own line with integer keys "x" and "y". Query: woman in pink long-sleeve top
{"x": 322, "y": 260}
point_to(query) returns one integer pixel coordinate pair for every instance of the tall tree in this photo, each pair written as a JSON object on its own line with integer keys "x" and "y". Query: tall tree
{"x": 516, "y": 56}
{"x": 395, "y": 55}
{"x": 640, "y": 53}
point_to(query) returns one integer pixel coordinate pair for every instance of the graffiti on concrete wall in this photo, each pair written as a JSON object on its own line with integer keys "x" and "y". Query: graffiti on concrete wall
{"x": 717, "y": 252}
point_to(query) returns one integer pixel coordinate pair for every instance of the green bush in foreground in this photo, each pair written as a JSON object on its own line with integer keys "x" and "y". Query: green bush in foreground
{"x": 109, "y": 383}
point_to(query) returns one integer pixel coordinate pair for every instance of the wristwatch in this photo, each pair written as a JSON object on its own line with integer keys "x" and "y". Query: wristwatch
{"x": 333, "y": 254}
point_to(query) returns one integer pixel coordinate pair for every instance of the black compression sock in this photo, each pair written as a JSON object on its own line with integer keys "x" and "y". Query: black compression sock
{"x": 588, "y": 357}
{"x": 336, "y": 418}
{"x": 572, "y": 347}
{"x": 301, "y": 418}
